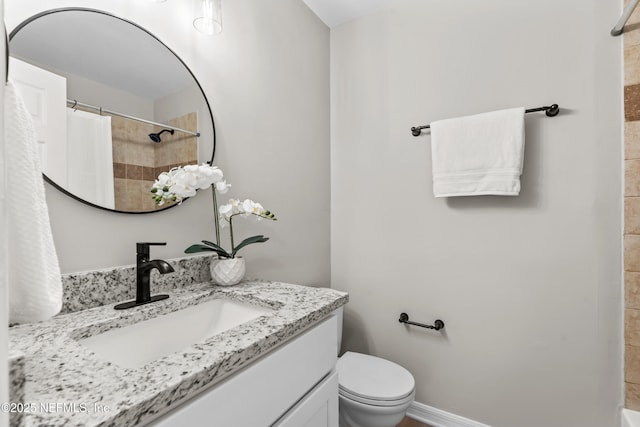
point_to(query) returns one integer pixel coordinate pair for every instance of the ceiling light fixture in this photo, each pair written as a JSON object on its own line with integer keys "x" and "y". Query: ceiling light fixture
{"x": 208, "y": 16}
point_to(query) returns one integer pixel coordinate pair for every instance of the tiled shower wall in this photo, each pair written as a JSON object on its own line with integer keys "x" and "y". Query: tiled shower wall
{"x": 137, "y": 161}
{"x": 632, "y": 210}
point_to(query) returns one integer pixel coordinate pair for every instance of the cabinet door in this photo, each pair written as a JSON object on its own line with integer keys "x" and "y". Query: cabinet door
{"x": 319, "y": 408}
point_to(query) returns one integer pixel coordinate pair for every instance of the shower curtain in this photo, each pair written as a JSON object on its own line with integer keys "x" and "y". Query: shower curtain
{"x": 90, "y": 157}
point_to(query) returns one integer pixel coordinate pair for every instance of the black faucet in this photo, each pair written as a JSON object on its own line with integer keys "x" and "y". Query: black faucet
{"x": 143, "y": 276}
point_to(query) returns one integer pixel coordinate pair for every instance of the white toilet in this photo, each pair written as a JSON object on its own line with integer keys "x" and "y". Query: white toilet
{"x": 373, "y": 392}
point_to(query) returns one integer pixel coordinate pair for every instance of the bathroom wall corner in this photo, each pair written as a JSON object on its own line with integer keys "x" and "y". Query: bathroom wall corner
{"x": 529, "y": 287}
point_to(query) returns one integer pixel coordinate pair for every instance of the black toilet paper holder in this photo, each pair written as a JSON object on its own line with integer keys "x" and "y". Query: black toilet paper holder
{"x": 437, "y": 325}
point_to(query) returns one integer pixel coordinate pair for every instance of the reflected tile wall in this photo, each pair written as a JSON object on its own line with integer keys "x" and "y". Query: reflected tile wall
{"x": 632, "y": 211}
{"x": 137, "y": 161}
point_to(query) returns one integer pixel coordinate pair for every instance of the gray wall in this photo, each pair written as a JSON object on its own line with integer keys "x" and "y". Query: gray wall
{"x": 529, "y": 286}
{"x": 267, "y": 79}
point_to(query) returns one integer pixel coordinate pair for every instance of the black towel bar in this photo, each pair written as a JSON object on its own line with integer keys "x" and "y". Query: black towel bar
{"x": 551, "y": 111}
{"x": 437, "y": 325}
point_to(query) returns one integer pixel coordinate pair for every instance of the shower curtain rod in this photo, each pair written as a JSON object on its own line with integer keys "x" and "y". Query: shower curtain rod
{"x": 551, "y": 111}
{"x": 619, "y": 28}
{"x": 74, "y": 103}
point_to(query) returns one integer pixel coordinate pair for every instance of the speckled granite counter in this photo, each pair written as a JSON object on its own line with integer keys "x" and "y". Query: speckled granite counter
{"x": 16, "y": 385}
{"x": 67, "y": 385}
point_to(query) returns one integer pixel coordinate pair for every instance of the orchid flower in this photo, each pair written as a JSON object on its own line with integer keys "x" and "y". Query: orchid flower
{"x": 183, "y": 182}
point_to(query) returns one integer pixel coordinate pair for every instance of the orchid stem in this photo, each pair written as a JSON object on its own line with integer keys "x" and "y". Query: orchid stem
{"x": 233, "y": 247}
{"x": 215, "y": 213}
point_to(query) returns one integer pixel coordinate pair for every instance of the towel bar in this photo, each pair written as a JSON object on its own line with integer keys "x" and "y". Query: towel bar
{"x": 551, "y": 111}
{"x": 437, "y": 325}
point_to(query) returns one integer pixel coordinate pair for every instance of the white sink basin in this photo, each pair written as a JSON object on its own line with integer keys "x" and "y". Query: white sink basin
{"x": 138, "y": 344}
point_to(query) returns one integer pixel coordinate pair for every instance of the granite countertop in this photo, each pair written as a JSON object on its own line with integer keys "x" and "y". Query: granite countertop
{"x": 65, "y": 384}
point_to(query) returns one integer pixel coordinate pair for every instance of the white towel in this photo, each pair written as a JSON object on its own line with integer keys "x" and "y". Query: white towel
{"x": 478, "y": 155}
{"x": 35, "y": 285}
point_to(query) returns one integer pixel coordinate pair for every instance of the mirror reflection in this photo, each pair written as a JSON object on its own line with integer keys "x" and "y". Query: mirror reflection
{"x": 113, "y": 106}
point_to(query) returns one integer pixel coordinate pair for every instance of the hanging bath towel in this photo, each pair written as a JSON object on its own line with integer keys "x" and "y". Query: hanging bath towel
{"x": 478, "y": 155}
{"x": 35, "y": 286}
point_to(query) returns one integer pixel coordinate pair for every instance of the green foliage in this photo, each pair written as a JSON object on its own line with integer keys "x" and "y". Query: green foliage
{"x": 212, "y": 247}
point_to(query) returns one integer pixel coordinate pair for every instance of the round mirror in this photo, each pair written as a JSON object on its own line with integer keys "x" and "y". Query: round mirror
{"x": 113, "y": 106}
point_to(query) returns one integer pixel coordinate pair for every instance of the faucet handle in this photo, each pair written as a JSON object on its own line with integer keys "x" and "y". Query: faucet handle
{"x": 143, "y": 247}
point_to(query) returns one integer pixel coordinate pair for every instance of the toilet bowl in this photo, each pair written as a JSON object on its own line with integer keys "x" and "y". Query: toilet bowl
{"x": 373, "y": 392}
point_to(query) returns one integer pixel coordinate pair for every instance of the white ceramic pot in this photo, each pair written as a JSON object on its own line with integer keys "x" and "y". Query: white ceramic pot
{"x": 227, "y": 271}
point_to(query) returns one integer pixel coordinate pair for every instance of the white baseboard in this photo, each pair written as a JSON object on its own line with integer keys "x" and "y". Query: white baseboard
{"x": 439, "y": 418}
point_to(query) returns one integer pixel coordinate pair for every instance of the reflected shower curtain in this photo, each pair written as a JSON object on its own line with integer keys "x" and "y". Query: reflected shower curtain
{"x": 90, "y": 157}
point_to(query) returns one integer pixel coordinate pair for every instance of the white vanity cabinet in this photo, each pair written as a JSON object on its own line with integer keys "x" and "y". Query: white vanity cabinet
{"x": 319, "y": 408}
{"x": 294, "y": 385}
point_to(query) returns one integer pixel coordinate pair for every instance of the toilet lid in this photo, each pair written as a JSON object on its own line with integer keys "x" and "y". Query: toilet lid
{"x": 373, "y": 378}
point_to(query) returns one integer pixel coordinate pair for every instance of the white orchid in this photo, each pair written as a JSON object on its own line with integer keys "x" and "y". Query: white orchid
{"x": 229, "y": 209}
{"x": 183, "y": 182}
{"x": 222, "y": 187}
{"x": 226, "y": 213}
{"x": 247, "y": 207}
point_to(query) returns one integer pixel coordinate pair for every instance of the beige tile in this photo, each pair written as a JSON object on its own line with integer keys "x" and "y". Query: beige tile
{"x": 127, "y": 148}
{"x": 149, "y": 174}
{"x": 118, "y": 149}
{"x": 632, "y": 139}
{"x": 148, "y": 153}
{"x": 136, "y": 154}
{"x": 632, "y": 396}
{"x": 632, "y": 327}
{"x": 632, "y": 177}
{"x": 120, "y": 191}
{"x": 632, "y": 289}
{"x": 183, "y": 147}
{"x": 632, "y": 28}
{"x": 635, "y": 16}
{"x": 632, "y": 65}
{"x": 119, "y": 170}
{"x": 191, "y": 150}
{"x": 631, "y": 252}
{"x": 632, "y": 103}
{"x": 148, "y": 204}
{"x": 632, "y": 215}
{"x": 172, "y": 150}
{"x": 131, "y": 130}
{"x": 632, "y": 34}
{"x": 133, "y": 198}
{"x": 632, "y": 364}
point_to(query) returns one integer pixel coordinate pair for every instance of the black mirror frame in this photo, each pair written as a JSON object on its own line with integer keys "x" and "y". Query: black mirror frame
{"x": 84, "y": 9}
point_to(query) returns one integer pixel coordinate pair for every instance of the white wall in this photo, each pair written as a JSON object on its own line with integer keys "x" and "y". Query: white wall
{"x": 529, "y": 287}
{"x": 100, "y": 95}
{"x": 267, "y": 79}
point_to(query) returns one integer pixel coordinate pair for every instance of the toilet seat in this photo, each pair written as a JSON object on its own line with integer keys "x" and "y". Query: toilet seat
{"x": 374, "y": 381}
{"x": 373, "y": 402}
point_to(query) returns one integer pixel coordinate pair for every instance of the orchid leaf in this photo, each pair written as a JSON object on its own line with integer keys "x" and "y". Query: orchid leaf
{"x": 248, "y": 241}
{"x": 197, "y": 248}
{"x": 213, "y": 245}
{"x": 203, "y": 248}
{"x": 217, "y": 248}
